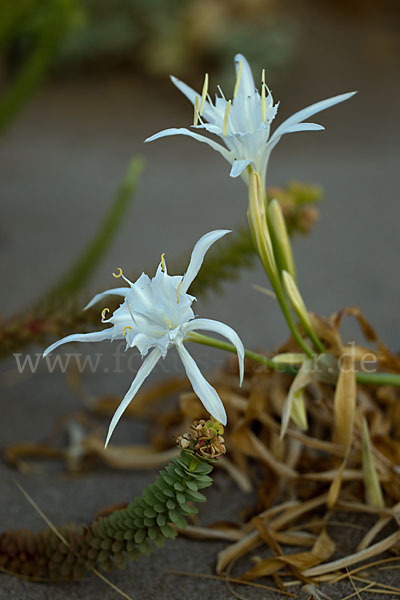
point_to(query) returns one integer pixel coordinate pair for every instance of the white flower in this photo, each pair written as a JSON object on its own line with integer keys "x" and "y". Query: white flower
{"x": 243, "y": 123}
{"x": 155, "y": 315}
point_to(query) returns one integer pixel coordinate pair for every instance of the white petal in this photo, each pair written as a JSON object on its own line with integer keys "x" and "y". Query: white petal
{"x": 304, "y": 127}
{"x": 198, "y": 254}
{"x": 146, "y": 368}
{"x": 191, "y": 95}
{"x": 225, "y": 331}
{"x": 238, "y": 166}
{"x": 96, "y": 336}
{"x": 309, "y": 111}
{"x": 200, "y": 138}
{"x": 247, "y": 85}
{"x": 185, "y": 89}
{"x": 206, "y": 393}
{"x": 115, "y": 291}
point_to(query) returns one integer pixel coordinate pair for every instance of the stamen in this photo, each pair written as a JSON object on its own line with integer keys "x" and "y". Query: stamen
{"x": 167, "y": 322}
{"x": 221, "y": 92}
{"x": 204, "y": 93}
{"x": 238, "y": 77}
{"x": 263, "y": 98}
{"x": 177, "y": 290}
{"x": 227, "y": 111}
{"x": 104, "y": 312}
{"x": 117, "y": 275}
{"x": 125, "y": 328}
{"x": 196, "y": 111}
{"x": 163, "y": 262}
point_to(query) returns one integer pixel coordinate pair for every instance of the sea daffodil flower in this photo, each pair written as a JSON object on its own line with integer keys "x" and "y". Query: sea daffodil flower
{"x": 244, "y": 122}
{"x": 155, "y": 315}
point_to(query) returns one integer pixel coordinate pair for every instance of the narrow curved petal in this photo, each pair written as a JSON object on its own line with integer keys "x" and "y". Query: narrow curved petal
{"x": 304, "y": 127}
{"x": 146, "y": 368}
{"x": 225, "y": 331}
{"x": 200, "y": 138}
{"x": 206, "y": 393}
{"x": 238, "y": 166}
{"x": 309, "y": 111}
{"x": 115, "y": 291}
{"x": 186, "y": 90}
{"x": 246, "y": 85}
{"x": 191, "y": 96}
{"x": 198, "y": 254}
{"x": 96, "y": 336}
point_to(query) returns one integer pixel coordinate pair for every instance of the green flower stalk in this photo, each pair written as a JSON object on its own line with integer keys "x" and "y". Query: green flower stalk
{"x": 262, "y": 241}
{"x": 128, "y": 533}
{"x": 299, "y": 307}
{"x": 280, "y": 239}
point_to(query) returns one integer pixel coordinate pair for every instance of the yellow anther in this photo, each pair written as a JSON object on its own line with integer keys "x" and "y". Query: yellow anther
{"x": 238, "y": 77}
{"x": 196, "y": 111}
{"x": 227, "y": 111}
{"x": 204, "y": 93}
{"x": 177, "y": 290}
{"x": 104, "y": 312}
{"x": 163, "y": 262}
{"x": 116, "y": 275}
{"x": 125, "y": 328}
{"x": 167, "y": 322}
{"x": 263, "y": 97}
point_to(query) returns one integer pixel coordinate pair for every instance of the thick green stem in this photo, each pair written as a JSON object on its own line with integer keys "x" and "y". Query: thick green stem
{"x": 363, "y": 378}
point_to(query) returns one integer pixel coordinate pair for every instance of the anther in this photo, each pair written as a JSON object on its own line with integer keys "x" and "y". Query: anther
{"x": 117, "y": 275}
{"x": 196, "y": 111}
{"x": 125, "y": 328}
{"x": 167, "y": 322}
{"x": 163, "y": 262}
{"x": 104, "y": 312}
{"x": 177, "y": 290}
{"x": 204, "y": 94}
{"x": 238, "y": 77}
{"x": 227, "y": 111}
{"x": 263, "y": 98}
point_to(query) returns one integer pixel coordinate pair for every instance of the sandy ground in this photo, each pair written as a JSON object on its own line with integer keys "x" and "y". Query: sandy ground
{"x": 59, "y": 166}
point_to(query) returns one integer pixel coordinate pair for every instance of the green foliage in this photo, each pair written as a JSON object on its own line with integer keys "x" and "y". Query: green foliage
{"x": 31, "y": 31}
{"x": 147, "y": 521}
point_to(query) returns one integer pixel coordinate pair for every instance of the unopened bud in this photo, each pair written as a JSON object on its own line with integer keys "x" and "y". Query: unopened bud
{"x": 280, "y": 239}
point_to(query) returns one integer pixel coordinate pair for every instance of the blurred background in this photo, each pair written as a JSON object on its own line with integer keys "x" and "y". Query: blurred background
{"x": 83, "y": 83}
